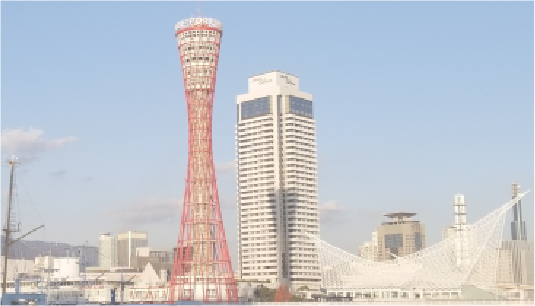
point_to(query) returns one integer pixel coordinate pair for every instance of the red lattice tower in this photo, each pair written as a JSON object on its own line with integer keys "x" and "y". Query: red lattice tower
{"x": 202, "y": 269}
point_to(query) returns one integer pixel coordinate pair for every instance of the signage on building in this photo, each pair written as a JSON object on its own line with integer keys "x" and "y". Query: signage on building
{"x": 262, "y": 80}
{"x": 288, "y": 82}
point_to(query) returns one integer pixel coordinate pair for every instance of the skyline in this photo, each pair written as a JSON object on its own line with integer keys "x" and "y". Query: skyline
{"x": 124, "y": 72}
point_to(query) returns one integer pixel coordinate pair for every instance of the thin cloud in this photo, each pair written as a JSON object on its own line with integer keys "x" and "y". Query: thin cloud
{"x": 225, "y": 167}
{"x": 331, "y": 212}
{"x": 28, "y": 144}
{"x": 147, "y": 212}
{"x": 58, "y": 174}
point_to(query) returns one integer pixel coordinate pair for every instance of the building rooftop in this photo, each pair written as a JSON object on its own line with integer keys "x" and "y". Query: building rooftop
{"x": 400, "y": 215}
{"x": 273, "y": 71}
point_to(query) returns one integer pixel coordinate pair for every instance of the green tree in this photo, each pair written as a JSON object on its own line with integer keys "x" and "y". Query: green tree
{"x": 302, "y": 288}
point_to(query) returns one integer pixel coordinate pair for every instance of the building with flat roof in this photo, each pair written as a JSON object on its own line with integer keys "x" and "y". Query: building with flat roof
{"x": 370, "y": 249}
{"x": 127, "y": 243}
{"x": 277, "y": 182}
{"x": 399, "y": 237}
{"x": 107, "y": 249}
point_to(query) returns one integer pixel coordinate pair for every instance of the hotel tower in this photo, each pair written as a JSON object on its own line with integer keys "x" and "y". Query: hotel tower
{"x": 277, "y": 183}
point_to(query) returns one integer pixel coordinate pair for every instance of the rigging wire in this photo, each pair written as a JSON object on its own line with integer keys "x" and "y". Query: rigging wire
{"x": 31, "y": 201}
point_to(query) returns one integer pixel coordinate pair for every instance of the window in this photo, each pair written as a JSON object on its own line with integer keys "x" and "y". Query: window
{"x": 418, "y": 241}
{"x": 255, "y": 108}
{"x": 301, "y": 107}
{"x": 393, "y": 242}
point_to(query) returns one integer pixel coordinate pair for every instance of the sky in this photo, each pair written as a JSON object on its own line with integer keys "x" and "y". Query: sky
{"x": 414, "y": 102}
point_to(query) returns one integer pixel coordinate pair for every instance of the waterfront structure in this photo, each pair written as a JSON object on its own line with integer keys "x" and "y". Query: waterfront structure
{"x": 127, "y": 243}
{"x": 518, "y": 227}
{"x": 202, "y": 269}
{"x": 277, "y": 182}
{"x": 107, "y": 250}
{"x": 400, "y": 237}
{"x": 431, "y": 270}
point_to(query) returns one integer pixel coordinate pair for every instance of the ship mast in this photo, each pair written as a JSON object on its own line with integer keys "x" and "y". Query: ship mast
{"x": 7, "y": 229}
{"x": 8, "y": 242}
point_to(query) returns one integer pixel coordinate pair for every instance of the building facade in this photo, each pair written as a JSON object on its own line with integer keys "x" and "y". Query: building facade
{"x": 107, "y": 248}
{"x": 521, "y": 257}
{"x": 460, "y": 232}
{"x": 277, "y": 182}
{"x": 127, "y": 243}
{"x": 400, "y": 237}
{"x": 518, "y": 227}
{"x": 370, "y": 249}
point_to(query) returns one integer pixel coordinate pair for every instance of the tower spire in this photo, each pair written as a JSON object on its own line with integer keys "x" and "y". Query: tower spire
{"x": 518, "y": 227}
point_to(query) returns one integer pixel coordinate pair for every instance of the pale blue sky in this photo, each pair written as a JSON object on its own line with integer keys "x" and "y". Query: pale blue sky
{"x": 414, "y": 102}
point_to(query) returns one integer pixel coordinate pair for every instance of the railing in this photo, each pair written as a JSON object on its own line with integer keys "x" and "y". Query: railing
{"x": 408, "y": 302}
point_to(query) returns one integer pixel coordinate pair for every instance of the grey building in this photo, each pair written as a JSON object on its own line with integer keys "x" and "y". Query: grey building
{"x": 127, "y": 243}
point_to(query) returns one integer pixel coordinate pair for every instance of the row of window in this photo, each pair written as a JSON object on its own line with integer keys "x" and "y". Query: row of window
{"x": 253, "y": 226}
{"x": 259, "y": 232}
{"x": 258, "y": 250}
{"x": 250, "y": 124}
{"x": 256, "y": 145}
{"x": 255, "y": 108}
{"x": 301, "y": 107}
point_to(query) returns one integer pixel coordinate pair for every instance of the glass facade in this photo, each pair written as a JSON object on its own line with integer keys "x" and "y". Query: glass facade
{"x": 394, "y": 241}
{"x": 418, "y": 241}
{"x": 255, "y": 108}
{"x": 301, "y": 107}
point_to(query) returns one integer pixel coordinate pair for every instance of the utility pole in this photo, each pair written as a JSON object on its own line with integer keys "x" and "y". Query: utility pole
{"x": 85, "y": 270}
{"x": 122, "y": 282}
{"x": 48, "y": 283}
{"x": 7, "y": 242}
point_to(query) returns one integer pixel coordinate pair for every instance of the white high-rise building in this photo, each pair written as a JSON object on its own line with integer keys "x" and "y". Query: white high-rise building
{"x": 277, "y": 182}
{"x": 107, "y": 248}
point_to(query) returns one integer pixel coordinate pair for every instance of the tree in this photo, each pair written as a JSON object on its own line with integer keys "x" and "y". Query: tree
{"x": 283, "y": 294}
{"x": 264, "y": 294}
{"x": 303, "y": 288}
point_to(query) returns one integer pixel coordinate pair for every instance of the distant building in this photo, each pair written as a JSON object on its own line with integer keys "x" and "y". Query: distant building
{"x": 520, "y": 249}
{"x": 521, "y": 252}
{"x": 18, "y": 268}
{"x": 127, "y": 243}
{"x": 107, "y": 248}
{"x": 158, "y": 258}
{"x": 518, "y": 227}
{"x": 370, "y": 249}
{"x": 460, "y": 232}
{"x": 400, "y": 237}
{"x": 156, "y": 254}
{"x": 66, "y": 267}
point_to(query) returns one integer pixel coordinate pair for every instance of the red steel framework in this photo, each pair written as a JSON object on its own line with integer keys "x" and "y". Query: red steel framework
{"x": 202, "y": 269}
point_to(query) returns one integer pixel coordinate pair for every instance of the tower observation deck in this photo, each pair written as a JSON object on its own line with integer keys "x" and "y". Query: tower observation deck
{"x": 202, "y": 269}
